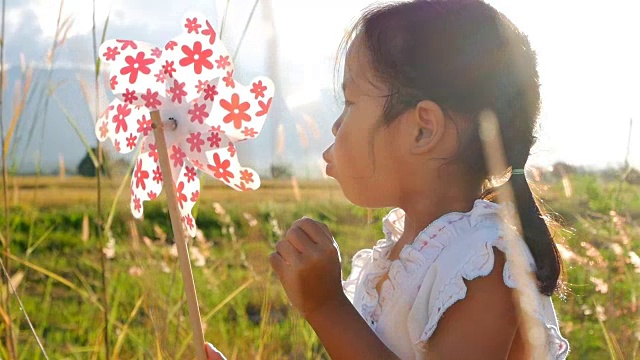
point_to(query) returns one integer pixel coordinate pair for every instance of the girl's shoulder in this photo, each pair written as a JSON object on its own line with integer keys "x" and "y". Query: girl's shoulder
{"x": 462, "y": 247}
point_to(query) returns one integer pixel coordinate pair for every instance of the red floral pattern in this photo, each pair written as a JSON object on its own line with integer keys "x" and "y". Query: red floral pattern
{"x": 170, "y": 45}
{"x": 136, "y": 65}
{"x": 140, "y": 175}
{"x": 177, "y": 156}
{"x": 249, "y": 132}
{"x": 193, "y": 26}
{"x": 190, "y": 173}
{"x": 111, "y": 53}
{"x": 237, "y": 111}
{"x": 228, "y": 80}
{"x": 104, "y": 130}
{"x": 157, "y": 175}
{"x": 258, "y": 89}
{"x": 264, "y": 107}
{"x": 129, "y": 96}
{"x": 209, "y": 32}
{"x": 160, "y": 77}
{"x": 246, "y": 176}
{"x": 214, "y": 139}
{"x": 168, "y": 68}
{"x": 128, "y": 44}
{"x": 223, "y": 62}
{"x": 196, "y": 56}
{"x": 231, "y": 149}
{"x": 220, "y": 168}
{"x": 210, "y": 92}
{"x": 153, "y": 152}
{"x": 144, "y": 125}
{"x": 198, "y": 113}
{"x": 132, "y": 141}
{"x": 120, "y": 119}
{"x": 177, "y": 92}
{"x": 156, "y": 52}
{"x": 182, "y": 198}
{"x": 196, "y": 142}
{"x": 151, "y": 101}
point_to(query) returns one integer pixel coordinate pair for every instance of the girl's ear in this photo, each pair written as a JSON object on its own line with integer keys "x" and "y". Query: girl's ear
{"x": 428, "y": 127}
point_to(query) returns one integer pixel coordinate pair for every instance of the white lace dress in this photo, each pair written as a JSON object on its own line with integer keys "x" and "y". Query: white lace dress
{"x": 427, "y": 278}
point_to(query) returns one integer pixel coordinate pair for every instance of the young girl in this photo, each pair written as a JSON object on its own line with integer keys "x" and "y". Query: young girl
{"x": 417, "y": 75}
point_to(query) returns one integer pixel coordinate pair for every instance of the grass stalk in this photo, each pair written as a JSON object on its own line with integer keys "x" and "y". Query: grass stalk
{"x": 610, "y": 340}
{"x": 75, "y": 127}
{"x": 99, "y": 165}
{"x": 125, "y": 328}
{"x": 61, "y": 32}
{"x": 33, "y": 213}
{"x": 626, "y": 170}
{"x": 244, "y": 31}
{"x": 224, "y": 17}
{"x": 24, "y": 312}
{"x": 215, "y": 310}
{"x": 5, "y": 181}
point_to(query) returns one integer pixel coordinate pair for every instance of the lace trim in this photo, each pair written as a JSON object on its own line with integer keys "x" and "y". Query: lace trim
{"x": 359, "y": 261}
{"x": 424, "y": 250}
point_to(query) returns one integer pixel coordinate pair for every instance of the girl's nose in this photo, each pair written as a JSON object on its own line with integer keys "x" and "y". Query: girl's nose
{"x": 336, "y": 126}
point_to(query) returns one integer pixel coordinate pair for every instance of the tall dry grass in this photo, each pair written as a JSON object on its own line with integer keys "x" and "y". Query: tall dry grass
{"x": 134, "y": 287}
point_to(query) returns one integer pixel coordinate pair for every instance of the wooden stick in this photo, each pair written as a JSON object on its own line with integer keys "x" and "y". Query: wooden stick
{"x": 179, "y": 237}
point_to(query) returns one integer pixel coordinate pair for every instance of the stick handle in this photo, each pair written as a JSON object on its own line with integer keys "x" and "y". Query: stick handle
{"x": 179, "y": 237}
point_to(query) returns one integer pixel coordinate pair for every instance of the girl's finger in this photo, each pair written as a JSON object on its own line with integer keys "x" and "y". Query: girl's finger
{"x": 278, "y": 264}
{"x": 298, "y": 239}
{"x": 324, "y": 228}
{"x": 287, "y": 251}
{"x": 315, "y": 231}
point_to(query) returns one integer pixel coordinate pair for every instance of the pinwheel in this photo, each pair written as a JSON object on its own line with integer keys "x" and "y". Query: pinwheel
{"x": 182, "y": 101}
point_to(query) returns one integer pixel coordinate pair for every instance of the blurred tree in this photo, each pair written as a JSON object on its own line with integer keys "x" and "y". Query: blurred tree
{"x": 632, "y": 176}
{"x": 281, "y": 171}
{"x": 88, "y": 169}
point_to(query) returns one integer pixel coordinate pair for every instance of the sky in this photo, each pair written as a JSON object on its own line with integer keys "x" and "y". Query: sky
{"x": 588, "y": 55}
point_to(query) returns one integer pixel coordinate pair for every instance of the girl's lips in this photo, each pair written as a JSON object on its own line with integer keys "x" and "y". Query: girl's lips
{"x": 325, "y": 156}
{"x": 326, "y": 159}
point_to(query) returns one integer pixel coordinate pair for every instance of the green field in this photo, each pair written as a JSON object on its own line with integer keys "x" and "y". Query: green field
{"x": 56, "y": 266}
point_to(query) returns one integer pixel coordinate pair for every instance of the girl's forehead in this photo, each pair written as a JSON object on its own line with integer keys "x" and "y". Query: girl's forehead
{"x": 359, "y": 74}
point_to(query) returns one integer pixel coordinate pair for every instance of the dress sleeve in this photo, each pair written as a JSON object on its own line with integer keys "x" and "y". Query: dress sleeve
{"x": 443, "y": 285}
{"x": 358, "y": 262}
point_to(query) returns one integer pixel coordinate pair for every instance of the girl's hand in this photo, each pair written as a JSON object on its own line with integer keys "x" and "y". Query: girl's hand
{"x": 307, "y": 262}
{"x": 213, "y": 353}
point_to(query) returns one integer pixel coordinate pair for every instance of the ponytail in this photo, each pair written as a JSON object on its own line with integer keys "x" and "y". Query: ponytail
{"x": 535, "y": 232}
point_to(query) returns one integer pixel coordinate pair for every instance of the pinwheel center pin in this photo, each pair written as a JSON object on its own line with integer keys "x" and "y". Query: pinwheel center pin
{"x": 170, "y": 124}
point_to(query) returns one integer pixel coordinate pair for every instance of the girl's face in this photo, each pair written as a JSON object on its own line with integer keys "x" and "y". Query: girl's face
{"x": 365, "y": 157}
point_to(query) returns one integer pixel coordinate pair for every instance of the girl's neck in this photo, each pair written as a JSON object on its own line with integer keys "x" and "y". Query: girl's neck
{"x": 420, "y": 211}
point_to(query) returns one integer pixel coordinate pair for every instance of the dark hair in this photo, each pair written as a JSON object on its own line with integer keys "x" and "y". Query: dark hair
{"x": 467, "y": 57}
